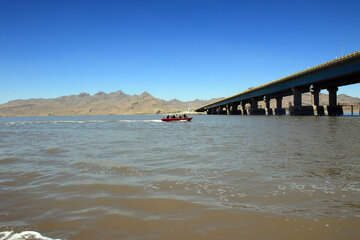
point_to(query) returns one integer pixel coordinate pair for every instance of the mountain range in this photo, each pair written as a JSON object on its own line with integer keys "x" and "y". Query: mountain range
{"x": 120, "y": 103}
{"x": 101, "y": 103}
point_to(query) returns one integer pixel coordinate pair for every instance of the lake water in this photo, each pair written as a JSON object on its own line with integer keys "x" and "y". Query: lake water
{"x": 216, "y": 177}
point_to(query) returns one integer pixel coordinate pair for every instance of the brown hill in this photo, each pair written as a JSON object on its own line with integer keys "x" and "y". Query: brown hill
{"x": 116, "y": 103}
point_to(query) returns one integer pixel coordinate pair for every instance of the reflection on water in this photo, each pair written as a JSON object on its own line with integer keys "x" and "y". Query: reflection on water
{"x": 217, "y": 177}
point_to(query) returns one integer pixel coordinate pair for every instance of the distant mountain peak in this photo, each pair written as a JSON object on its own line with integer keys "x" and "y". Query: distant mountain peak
{"x": 83, "y": 94}
{"x": 145, "y": 95}
{"x": 174, "y": 100}
{"x": 118, "y": 93}
{"x": 100, "y": 93}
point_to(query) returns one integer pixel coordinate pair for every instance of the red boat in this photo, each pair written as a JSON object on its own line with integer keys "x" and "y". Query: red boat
{"x": 185, "y": 119}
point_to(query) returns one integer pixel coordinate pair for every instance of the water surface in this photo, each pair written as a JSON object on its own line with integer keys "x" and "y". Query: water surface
{"x": 217, "y": 177}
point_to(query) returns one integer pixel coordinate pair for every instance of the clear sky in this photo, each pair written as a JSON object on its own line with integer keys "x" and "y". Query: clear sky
{"x": 184, "y": 49}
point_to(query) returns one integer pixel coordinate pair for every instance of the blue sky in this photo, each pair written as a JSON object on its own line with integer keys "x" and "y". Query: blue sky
{"x": 184, "y": 49}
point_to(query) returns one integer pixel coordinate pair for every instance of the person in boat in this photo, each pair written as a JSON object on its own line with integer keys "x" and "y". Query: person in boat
{"x": 167, "y": 116}
{"x": 184, "y": 115}
{"x": 173, "y": 116}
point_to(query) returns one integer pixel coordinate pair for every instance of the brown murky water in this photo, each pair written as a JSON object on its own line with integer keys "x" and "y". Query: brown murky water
{"x": 217, "y": 177}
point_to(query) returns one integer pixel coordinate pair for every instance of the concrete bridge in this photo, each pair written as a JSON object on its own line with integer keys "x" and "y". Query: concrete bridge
{"x": 331, "y": 75}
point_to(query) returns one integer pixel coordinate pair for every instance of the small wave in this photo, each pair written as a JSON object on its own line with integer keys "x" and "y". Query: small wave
{"x": 9, "y": 160}
{"x": 26, "y": 235}
{"x": 53, "y": 151}
{"x": 110, "y": 169}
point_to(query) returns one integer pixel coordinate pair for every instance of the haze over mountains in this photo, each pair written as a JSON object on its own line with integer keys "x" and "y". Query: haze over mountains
{"x": 120, "y": 103}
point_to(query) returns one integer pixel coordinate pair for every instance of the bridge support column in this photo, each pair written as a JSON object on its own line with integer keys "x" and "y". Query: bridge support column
{"x": 297, "y": 97}
{"x": 318, "y": 110}
{"x": 243, "y": 108}
{"x": 333, "y": 108}
{"x": 254, "y": 108}
{"x": 268, "y": 110}
{"x": 279, "y": 110}
{"x": 333, "y": 96}
{"x": 298, "y": 109}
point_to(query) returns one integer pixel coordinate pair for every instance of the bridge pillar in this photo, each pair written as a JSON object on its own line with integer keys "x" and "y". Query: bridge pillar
{"x": 227, "y": 108}
{"x": 268, "y": 110}
{"x": 279, "y": 110}
{"x": 243, "y": 108}
{"x": 318, "y": 110}
{"x": 332, "y": 96}
{"x": 297, "y": 97}
{"x": 254, "y": 108}
{"x": 333, "y": 108}
{"x": 298, "y": 109}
